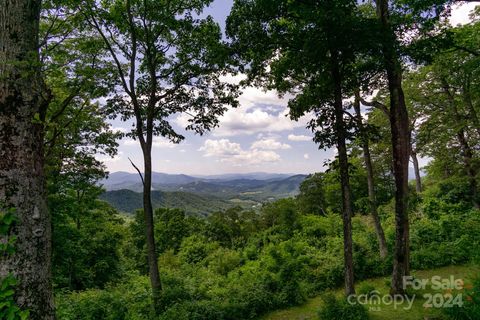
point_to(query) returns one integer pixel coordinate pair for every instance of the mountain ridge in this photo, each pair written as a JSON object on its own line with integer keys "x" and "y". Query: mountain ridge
{"x": 131, "y": 181}
{"x": 201, "y": 196}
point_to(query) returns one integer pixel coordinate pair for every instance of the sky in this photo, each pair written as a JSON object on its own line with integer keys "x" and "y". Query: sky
{"x": 255, "y": 137}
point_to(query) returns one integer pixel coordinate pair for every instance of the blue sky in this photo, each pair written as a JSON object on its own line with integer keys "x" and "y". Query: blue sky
{"x": 257, "y": 136}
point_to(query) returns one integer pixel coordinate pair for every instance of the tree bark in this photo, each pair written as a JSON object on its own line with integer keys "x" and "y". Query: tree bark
{"x": 149, "y": 229}
{"x": 416, "y": 168}
{"x": 471, "y": 109}
{"x": 400, "y": 146}
{"x": 464, "y": 145}
{"x": 382, "y": 243}
{"x": 347, "y": 211}
{"x": 22, "y": 180}
{"x": 471, "y": 172}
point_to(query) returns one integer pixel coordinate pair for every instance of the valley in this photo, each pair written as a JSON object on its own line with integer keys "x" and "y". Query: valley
{"x": 200, "y": 195}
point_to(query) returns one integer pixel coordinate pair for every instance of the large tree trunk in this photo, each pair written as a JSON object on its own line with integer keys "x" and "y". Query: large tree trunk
{"x": 382, "y": 243}
{"x": 22, "y": 182}
{"x": 347, "y": 211}
{"x": 149, "y": 228}
{"x": 400, "y": 145}
{"x": 416, "y": 168}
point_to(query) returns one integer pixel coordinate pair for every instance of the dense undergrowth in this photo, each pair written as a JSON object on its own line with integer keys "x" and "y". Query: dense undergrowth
{"x": 241, "y": 264}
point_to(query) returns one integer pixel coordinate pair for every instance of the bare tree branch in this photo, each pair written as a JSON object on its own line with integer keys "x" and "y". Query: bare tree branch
{"x": 138, "y": 170}
{"x": 94, "y": 22}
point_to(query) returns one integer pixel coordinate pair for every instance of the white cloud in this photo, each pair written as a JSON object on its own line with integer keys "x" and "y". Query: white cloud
{"x": 248, "y": 122}
{"x": 158, "y": 142}
{"x": 259, "y": 111}
{"x": 269, "y": 144}
{"x": 253, "y": 157}
{"x": 460, "y": 13}
{"x": 220, "y": 148}
{"x": 293, "y": 137}
{"x": 231, "y": 152}
{"x": 306, "y": 156}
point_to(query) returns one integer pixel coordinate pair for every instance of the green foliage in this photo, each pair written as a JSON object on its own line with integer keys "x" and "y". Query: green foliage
{"x": 195, "y": 249}
{"x": 171, "y": 226}
{"x": 128, "y": 201}
{"x": 281, "y": 215}
{"x": 92, "y": 304}
{"x": 449, "y": 195}
{"x": 7, "y": 221}
{"x": 87, "y": 237}
{"x": 471, "y": 305}
{"x": 8, "y": 307}
{"x": 311, "y": 198}
{"x": 334, "y": 308}
{"x": 223, "y": 260}
{"x": 446, "y": 239}
{"x": 225, "y": 227}
{"x": 321, "y": 193}
{"x": 169, "y": 56}
{"x": 129, "y": 301}
{"x": 157, "y": 59}
{"x": 366, "y": 289}
{"x": 262, "y": 261}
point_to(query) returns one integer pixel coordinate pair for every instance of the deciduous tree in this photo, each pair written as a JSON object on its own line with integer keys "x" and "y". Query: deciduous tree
{"x": 169, "y": 61}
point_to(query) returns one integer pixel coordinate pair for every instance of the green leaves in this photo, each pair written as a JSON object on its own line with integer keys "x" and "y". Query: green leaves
{"x": 7, "y": 221}
{"x": 8, "y": 308}
{"x": 289, "y": 46}
{"x": 167, "y": 61}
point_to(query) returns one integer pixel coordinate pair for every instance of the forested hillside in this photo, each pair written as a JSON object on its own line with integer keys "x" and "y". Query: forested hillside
{"x": 204, "y": 196}
{"x": 332, "y": 150}
{"x": 127, "y": 201}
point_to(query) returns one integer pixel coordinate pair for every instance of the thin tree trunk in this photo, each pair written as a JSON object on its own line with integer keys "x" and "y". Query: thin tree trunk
{"x": 347, "y": 211}
{"x": 471, "y": 109}
{"x": 467, "y": 160}
{"x": 382, "y": 243}
{"x": 466, "y": 150}
{"x": 149, "y": 228}
{"x": 401, "y": 146}
{"x": 22, "y": 179}
{"x": 145, "y": 143}
{"x": 416, "y": 168}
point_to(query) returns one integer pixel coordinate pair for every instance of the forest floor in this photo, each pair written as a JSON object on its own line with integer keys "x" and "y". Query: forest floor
{"x": 308, "y": 311}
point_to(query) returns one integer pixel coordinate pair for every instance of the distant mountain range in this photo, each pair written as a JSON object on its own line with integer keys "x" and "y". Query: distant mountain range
{"x": 200, "y": 194}
{"x": 131, "y": 181}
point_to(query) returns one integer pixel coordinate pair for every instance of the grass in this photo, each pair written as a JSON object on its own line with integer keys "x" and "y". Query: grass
{"x": 308, "y": 311}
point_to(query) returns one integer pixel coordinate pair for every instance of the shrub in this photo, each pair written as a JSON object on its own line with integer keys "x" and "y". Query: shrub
{"x": 222, "y": 260}
{"x": 195, "y": 249}
{"x": 8, "y": 306}
{"x": 194, "y": 310}
{"x": 130, "y": 301}
{"x": 366, "y": 289}
{"x": 91, "y": 305}
{"x": 471, "y": 305}
{"x": 173, "y": 290}
{"x": 333, "y": 309}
